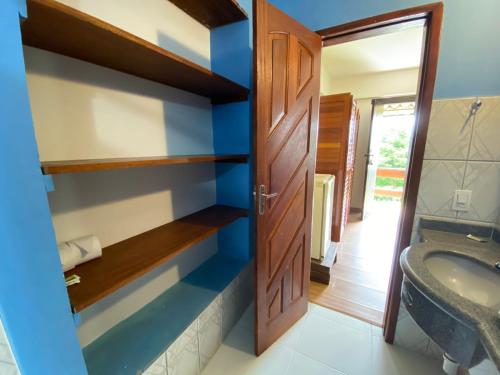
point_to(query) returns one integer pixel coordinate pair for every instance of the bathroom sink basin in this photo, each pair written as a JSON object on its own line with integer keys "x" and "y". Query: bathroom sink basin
{"x": 469, "y": 279}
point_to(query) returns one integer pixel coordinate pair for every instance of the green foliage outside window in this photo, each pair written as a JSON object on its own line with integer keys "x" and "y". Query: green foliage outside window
{"x": 394, "y": 150}
{"x": 393, "y": 154}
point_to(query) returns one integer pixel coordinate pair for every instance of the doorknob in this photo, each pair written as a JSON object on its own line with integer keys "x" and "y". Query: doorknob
{"x": 263, "y": 197}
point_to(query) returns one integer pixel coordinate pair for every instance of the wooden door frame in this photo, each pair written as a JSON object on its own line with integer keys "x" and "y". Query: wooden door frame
{"x": 430, "y": 15}
{"x": 367, "y": 160}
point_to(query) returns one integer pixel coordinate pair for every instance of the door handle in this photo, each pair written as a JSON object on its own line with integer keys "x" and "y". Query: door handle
{"x": 263, "y": 197}
{"x": 268, "y": 196}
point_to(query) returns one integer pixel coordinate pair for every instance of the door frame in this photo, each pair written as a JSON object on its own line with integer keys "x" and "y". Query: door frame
{"x": 430, "y": 16}
{"x": 367, "y": 160}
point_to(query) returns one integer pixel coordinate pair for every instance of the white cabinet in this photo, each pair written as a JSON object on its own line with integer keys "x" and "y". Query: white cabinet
{"x": 322, "y": 214}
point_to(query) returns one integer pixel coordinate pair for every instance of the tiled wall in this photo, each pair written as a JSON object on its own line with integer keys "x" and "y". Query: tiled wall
{"x": 456, "y": 159}
{"x": 192, "y": 350}
{"x": 8, "y": 364}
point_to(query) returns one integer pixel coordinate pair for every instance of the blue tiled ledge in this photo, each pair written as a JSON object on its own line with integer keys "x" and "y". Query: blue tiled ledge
{"x": 133, "y": 344}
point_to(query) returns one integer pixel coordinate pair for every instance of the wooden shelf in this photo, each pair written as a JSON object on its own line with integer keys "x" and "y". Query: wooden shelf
{"x": 212, "y": 13}
{"x": 61, "y": 29}
{"x": 132, "y": 345}
{"x": 127, "y": 260}
{"x": 92, "y": 165}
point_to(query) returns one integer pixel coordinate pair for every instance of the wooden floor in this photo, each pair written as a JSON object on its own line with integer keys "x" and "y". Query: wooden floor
{"x": 360, "y": 276}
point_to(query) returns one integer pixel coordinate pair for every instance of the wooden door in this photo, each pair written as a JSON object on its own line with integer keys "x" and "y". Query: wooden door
{"x": 352, "y": 138}
{"x": 287, "y": 57}
{"x": 333, "y": 147}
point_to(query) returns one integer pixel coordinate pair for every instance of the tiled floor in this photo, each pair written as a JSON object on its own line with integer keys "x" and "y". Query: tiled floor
{"x": 360, "y": 276}
{"x": 323, "y": 342}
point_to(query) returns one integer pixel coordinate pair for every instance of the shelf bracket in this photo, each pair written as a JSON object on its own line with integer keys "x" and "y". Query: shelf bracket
{"x": 48, "y": 182}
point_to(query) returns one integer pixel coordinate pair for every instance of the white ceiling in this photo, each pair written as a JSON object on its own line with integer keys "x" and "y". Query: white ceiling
{"x": 394, "y": 51}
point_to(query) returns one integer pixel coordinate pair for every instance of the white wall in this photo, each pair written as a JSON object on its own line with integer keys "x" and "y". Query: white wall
{"x": 364, "y": 87}
{"x": 81, "y": 110}
{"x": 372, "y": 85}
{"x": 159, "y": 22}
{"x": 362, "y": 145}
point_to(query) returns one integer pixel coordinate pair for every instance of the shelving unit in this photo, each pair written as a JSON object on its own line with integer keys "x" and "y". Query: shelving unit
{"x": 130, "y": 346}
{"x": 61, "y": 29}
{"x": 212, "y": 13}
{"x": 92, "y": 165}
{"x": 127, "y": 260}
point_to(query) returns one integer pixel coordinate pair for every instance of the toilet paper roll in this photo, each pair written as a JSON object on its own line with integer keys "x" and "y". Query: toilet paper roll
{"x": 69, "y": 255}
{"x": 79, "y": 250}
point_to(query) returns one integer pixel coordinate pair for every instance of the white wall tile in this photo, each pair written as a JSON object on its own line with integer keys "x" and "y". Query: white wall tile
{"x": 183, "y": 354}
{"x": 159, "y": 367}
{"x": 445, "y": 140}
{"x": 194, "y": 348}
{"x": 210, "y": 331}
{"x": 8, "y": 364}
{"x": 486, "y": 134}
{"x": 483, "y": 178}
{"x": 438, "y": 182}
{"x": 229, "y": 310}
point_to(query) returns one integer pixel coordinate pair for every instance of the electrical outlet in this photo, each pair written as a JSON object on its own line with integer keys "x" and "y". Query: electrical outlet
{"x": 461, "y": 200}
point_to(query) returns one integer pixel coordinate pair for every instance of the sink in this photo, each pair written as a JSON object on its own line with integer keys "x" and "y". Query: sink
{"x": 466, "y": 277}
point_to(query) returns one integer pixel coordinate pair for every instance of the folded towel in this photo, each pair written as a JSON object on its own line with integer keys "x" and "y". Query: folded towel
{"x": 78, "y": 251}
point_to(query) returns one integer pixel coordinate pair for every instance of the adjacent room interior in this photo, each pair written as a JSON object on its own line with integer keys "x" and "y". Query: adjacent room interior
{"x": 366, "y": 127}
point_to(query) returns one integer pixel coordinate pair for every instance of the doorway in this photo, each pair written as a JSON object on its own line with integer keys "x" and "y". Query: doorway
{"x": 386, "y": 158}
{"x": 274, "y": 314}
{"x": 430, "y": 16}
{"x": 370, "y": 196}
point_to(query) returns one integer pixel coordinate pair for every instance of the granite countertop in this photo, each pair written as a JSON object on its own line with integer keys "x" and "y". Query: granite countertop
{"x": 485, "y": 320}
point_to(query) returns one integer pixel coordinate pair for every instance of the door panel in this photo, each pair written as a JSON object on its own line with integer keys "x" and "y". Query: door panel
{"x": 286, "y": 106}
{"x": 336, "y": 150}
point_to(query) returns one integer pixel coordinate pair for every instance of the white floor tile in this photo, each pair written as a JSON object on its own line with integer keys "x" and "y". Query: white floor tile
{"x": 236, "y": 356}
{"x": 376, "y": 331}
{"x": 339, "y": 346}
{"x": 302, "y": 365}
{"x": 323, "y": 342}
{"x": 340, "y": 318}
{"x": 291, "y": 338}
{"x": 393, "y": 360}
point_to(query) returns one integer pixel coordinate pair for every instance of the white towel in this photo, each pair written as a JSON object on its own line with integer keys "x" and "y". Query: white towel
{"x": 78, "y": 251}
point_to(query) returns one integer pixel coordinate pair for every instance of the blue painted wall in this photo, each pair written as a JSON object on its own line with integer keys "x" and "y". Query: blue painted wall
{"x": 34, "y": 305}
{"x": 231, "y": 56}
{"x": 469, "y": 61}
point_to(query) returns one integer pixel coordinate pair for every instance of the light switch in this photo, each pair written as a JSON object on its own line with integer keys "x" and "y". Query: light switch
{"x": 461, "y": 200}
